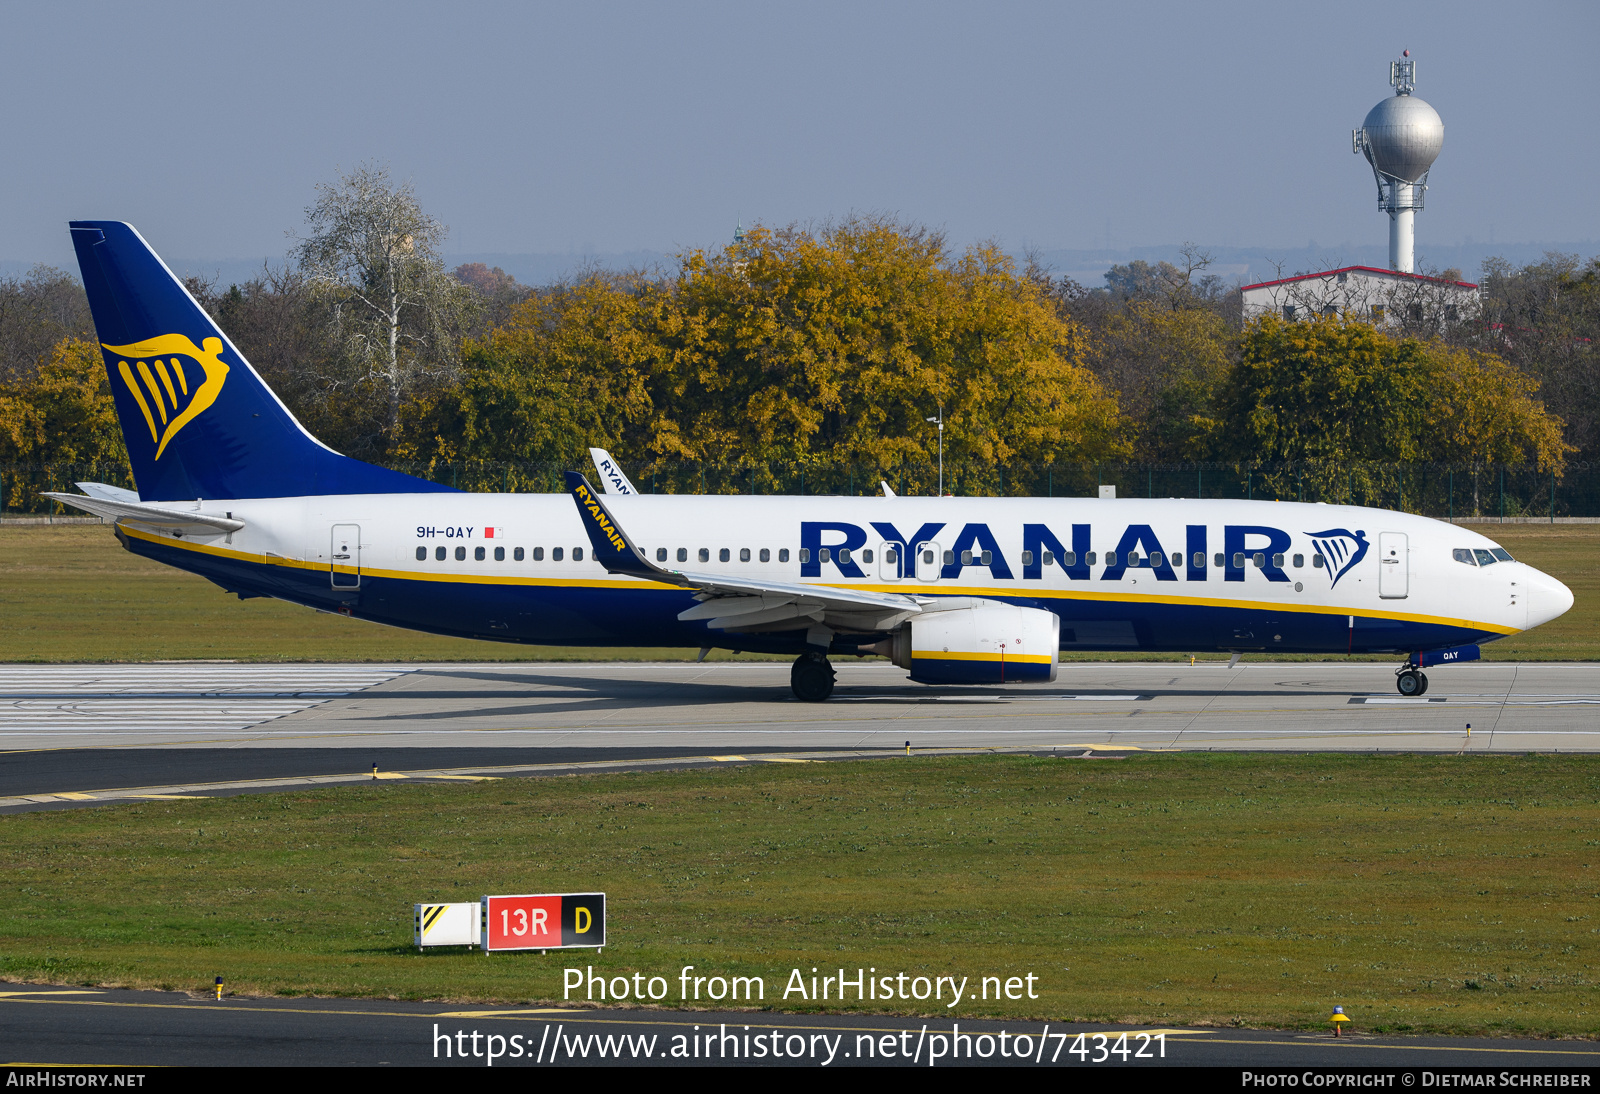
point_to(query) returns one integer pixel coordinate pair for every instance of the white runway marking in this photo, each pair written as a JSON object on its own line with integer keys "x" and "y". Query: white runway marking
{"x": 180, "y": 699}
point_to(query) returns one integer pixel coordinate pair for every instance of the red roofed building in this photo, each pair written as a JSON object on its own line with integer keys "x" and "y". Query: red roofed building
{"x": 1385, "y": 297}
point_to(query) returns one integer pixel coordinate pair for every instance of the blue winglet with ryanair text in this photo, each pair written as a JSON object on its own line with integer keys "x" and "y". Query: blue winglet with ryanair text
{"x": 611, "y": 547}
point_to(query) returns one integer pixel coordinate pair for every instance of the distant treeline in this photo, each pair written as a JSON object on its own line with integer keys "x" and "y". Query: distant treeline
{"x": 834, "y": 347}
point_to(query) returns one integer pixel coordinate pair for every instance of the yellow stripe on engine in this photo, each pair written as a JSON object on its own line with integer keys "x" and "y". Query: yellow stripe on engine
{"x": 941, "y": 655}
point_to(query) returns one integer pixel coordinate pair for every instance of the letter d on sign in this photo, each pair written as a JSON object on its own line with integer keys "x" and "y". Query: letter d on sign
{"x": 582, "y": 920}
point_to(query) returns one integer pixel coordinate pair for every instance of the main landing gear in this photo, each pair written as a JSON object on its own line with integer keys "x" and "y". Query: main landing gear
{"x": 1411, "y": 682}
{"x": 811, "y": 678}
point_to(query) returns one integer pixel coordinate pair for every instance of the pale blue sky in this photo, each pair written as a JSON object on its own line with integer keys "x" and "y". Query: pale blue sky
{"x": 628, "y": 127}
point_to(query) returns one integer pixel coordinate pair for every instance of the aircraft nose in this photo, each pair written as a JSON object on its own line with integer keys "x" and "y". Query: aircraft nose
{"x": 1547, "y": 598}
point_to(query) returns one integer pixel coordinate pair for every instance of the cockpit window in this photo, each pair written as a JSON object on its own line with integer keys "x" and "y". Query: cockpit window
{"x": 1463, "y": 554}
{"x": 1502, "y": 554}
{"x": 1484, "y": 557}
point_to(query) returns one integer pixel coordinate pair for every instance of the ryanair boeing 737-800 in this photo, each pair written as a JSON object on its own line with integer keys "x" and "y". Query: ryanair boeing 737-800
{"x": 956, "y": 590}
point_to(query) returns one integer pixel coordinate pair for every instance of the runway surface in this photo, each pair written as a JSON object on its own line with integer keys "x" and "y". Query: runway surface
{"x": 134, "y": 1029}
{"x": 1512, "y": 707}
{"x": 78, "y": 734}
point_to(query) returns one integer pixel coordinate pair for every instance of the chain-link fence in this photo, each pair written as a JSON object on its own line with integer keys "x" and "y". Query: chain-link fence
{"x": 1448, "y": 491}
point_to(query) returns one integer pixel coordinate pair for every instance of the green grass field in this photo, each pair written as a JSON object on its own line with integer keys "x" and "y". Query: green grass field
{"x": 1455, "y": 894}
{"x": 71, "y": 593}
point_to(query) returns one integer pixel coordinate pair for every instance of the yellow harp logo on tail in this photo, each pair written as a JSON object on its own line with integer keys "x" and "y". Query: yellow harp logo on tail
{"x": 164, "y": 388}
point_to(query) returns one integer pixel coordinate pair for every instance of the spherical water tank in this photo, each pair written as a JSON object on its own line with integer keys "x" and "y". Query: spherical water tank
{"x": 1403, "y": 136}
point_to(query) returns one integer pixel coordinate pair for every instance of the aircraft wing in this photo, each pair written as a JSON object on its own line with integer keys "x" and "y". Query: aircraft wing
{"x": 146, "y": 514}
{"x": 742, "y": 604}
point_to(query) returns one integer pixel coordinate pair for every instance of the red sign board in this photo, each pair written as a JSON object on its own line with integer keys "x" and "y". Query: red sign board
{"x": 546, "y": 921}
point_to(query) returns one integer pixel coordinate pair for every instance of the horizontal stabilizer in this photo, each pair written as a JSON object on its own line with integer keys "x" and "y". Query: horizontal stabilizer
{"x": 146, "y": 514}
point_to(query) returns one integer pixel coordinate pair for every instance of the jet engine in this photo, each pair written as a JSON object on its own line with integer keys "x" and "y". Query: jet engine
{"x": 977, "y": 642}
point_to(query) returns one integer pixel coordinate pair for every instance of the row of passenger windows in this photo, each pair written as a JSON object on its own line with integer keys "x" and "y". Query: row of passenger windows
{"x": 1477, "y": 556}
{"x": 845, "y": 556}
{"x": 481, "y": 553}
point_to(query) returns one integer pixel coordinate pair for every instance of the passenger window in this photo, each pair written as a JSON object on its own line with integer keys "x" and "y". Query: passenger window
{"x": 499, "y": 554}
{"x": 866, "y": 556}
{"x": 744, "y": 554}
{"x": 577, "y": 556}
{"x": 987, "y": 558}
{"x": 1259, "y": 559}
{"x": 949, "y": 558}
{"x": 1133, "y": 558}
{"x": 683, "y": 554}
{"x": 844, "y": 555}
{"x": 825, "y": 554}
{"x": 1088, "y": 559}
{"x": 1111, "y": 558}
{"x": 516, "y": 554}
{"x": 1068, "y": 559}
{"x": 661, "y": 554}
{"x": 478, "y": 553}
{"x": 805, "y": 554}
{"x": 422, "y": 553}
{"x": 1484, "y": 557}
{"x": 1177, "y": 559}
{"x": 538, "y": 554}
{"x": 1277, "y": 560}
{"x": 783, "y": 554}
{"x": 705, "y": 554}
{"x": 438, "y": 553}
{"x": 1027, "y": 558}
{"x": 927, "y": 558}
{"x": 1317, "y": 561}
{"x": 766, "y": 555}
{"x": 891, "y": 555}
{"x": 461, "y": 554}
{"x": 1199, "y": 560}
{"x": 1299, "y": 562}
{"x": 556, "y": 554}
{"x": 1502, "y": 554}
{"x": 966, "y": 558}
{"x": 1219, "y": 562}
{"x": 723, "y": 555}
{"x": 1238, "y": 560}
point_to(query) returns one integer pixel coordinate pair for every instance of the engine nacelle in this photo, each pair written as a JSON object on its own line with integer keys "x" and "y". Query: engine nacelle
{"x": 984, "y": 642}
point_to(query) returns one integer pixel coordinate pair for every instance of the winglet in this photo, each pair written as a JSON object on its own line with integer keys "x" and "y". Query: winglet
{"x": 612, "y": 549}
{"x": 612, "y": 480}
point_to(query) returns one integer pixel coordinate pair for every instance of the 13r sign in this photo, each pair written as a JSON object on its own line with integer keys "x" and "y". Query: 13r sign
{"x": 549, "y": 921}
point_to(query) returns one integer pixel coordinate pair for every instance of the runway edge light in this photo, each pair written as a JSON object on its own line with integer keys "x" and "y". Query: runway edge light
{"x": 1338, "y": 1019}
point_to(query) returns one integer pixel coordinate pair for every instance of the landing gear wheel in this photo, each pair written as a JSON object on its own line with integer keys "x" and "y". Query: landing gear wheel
{"x": 811, "y": 678}
{"x": 1424, "y": 678}
{"x": 1411, "y": 682}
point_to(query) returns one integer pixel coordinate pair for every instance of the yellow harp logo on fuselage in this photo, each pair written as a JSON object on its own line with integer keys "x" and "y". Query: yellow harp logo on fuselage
{"x": 157, "y": 378}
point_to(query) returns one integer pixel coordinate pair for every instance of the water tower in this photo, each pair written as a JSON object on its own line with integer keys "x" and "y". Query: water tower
{"x": 1401, "y": 138}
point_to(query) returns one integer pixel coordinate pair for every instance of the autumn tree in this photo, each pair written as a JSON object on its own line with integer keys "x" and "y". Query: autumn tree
{"x": 1338, "y": 396}
{"x": 373, "y": 254}
{"x": 62, "y": 413}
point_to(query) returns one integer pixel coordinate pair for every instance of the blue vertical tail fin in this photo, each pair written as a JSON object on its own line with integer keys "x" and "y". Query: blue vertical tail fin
{"x": 198, "y": 421}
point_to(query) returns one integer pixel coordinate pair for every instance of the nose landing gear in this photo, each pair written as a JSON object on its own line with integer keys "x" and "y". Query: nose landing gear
{"x": 1410, "y": 682}
{"x": 811, "y": 678}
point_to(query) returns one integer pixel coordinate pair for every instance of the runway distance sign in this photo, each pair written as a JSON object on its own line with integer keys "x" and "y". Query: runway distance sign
{"x": 446, "y": 924}
{"x": 545, "y": 921}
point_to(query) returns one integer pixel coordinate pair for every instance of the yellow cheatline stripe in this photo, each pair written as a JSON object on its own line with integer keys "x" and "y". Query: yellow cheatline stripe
{"x": 980, "y": 591}
{"x": 138, "y": 396}
{"x": 155, "y": 393}
{"x": 941, "y": 655}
